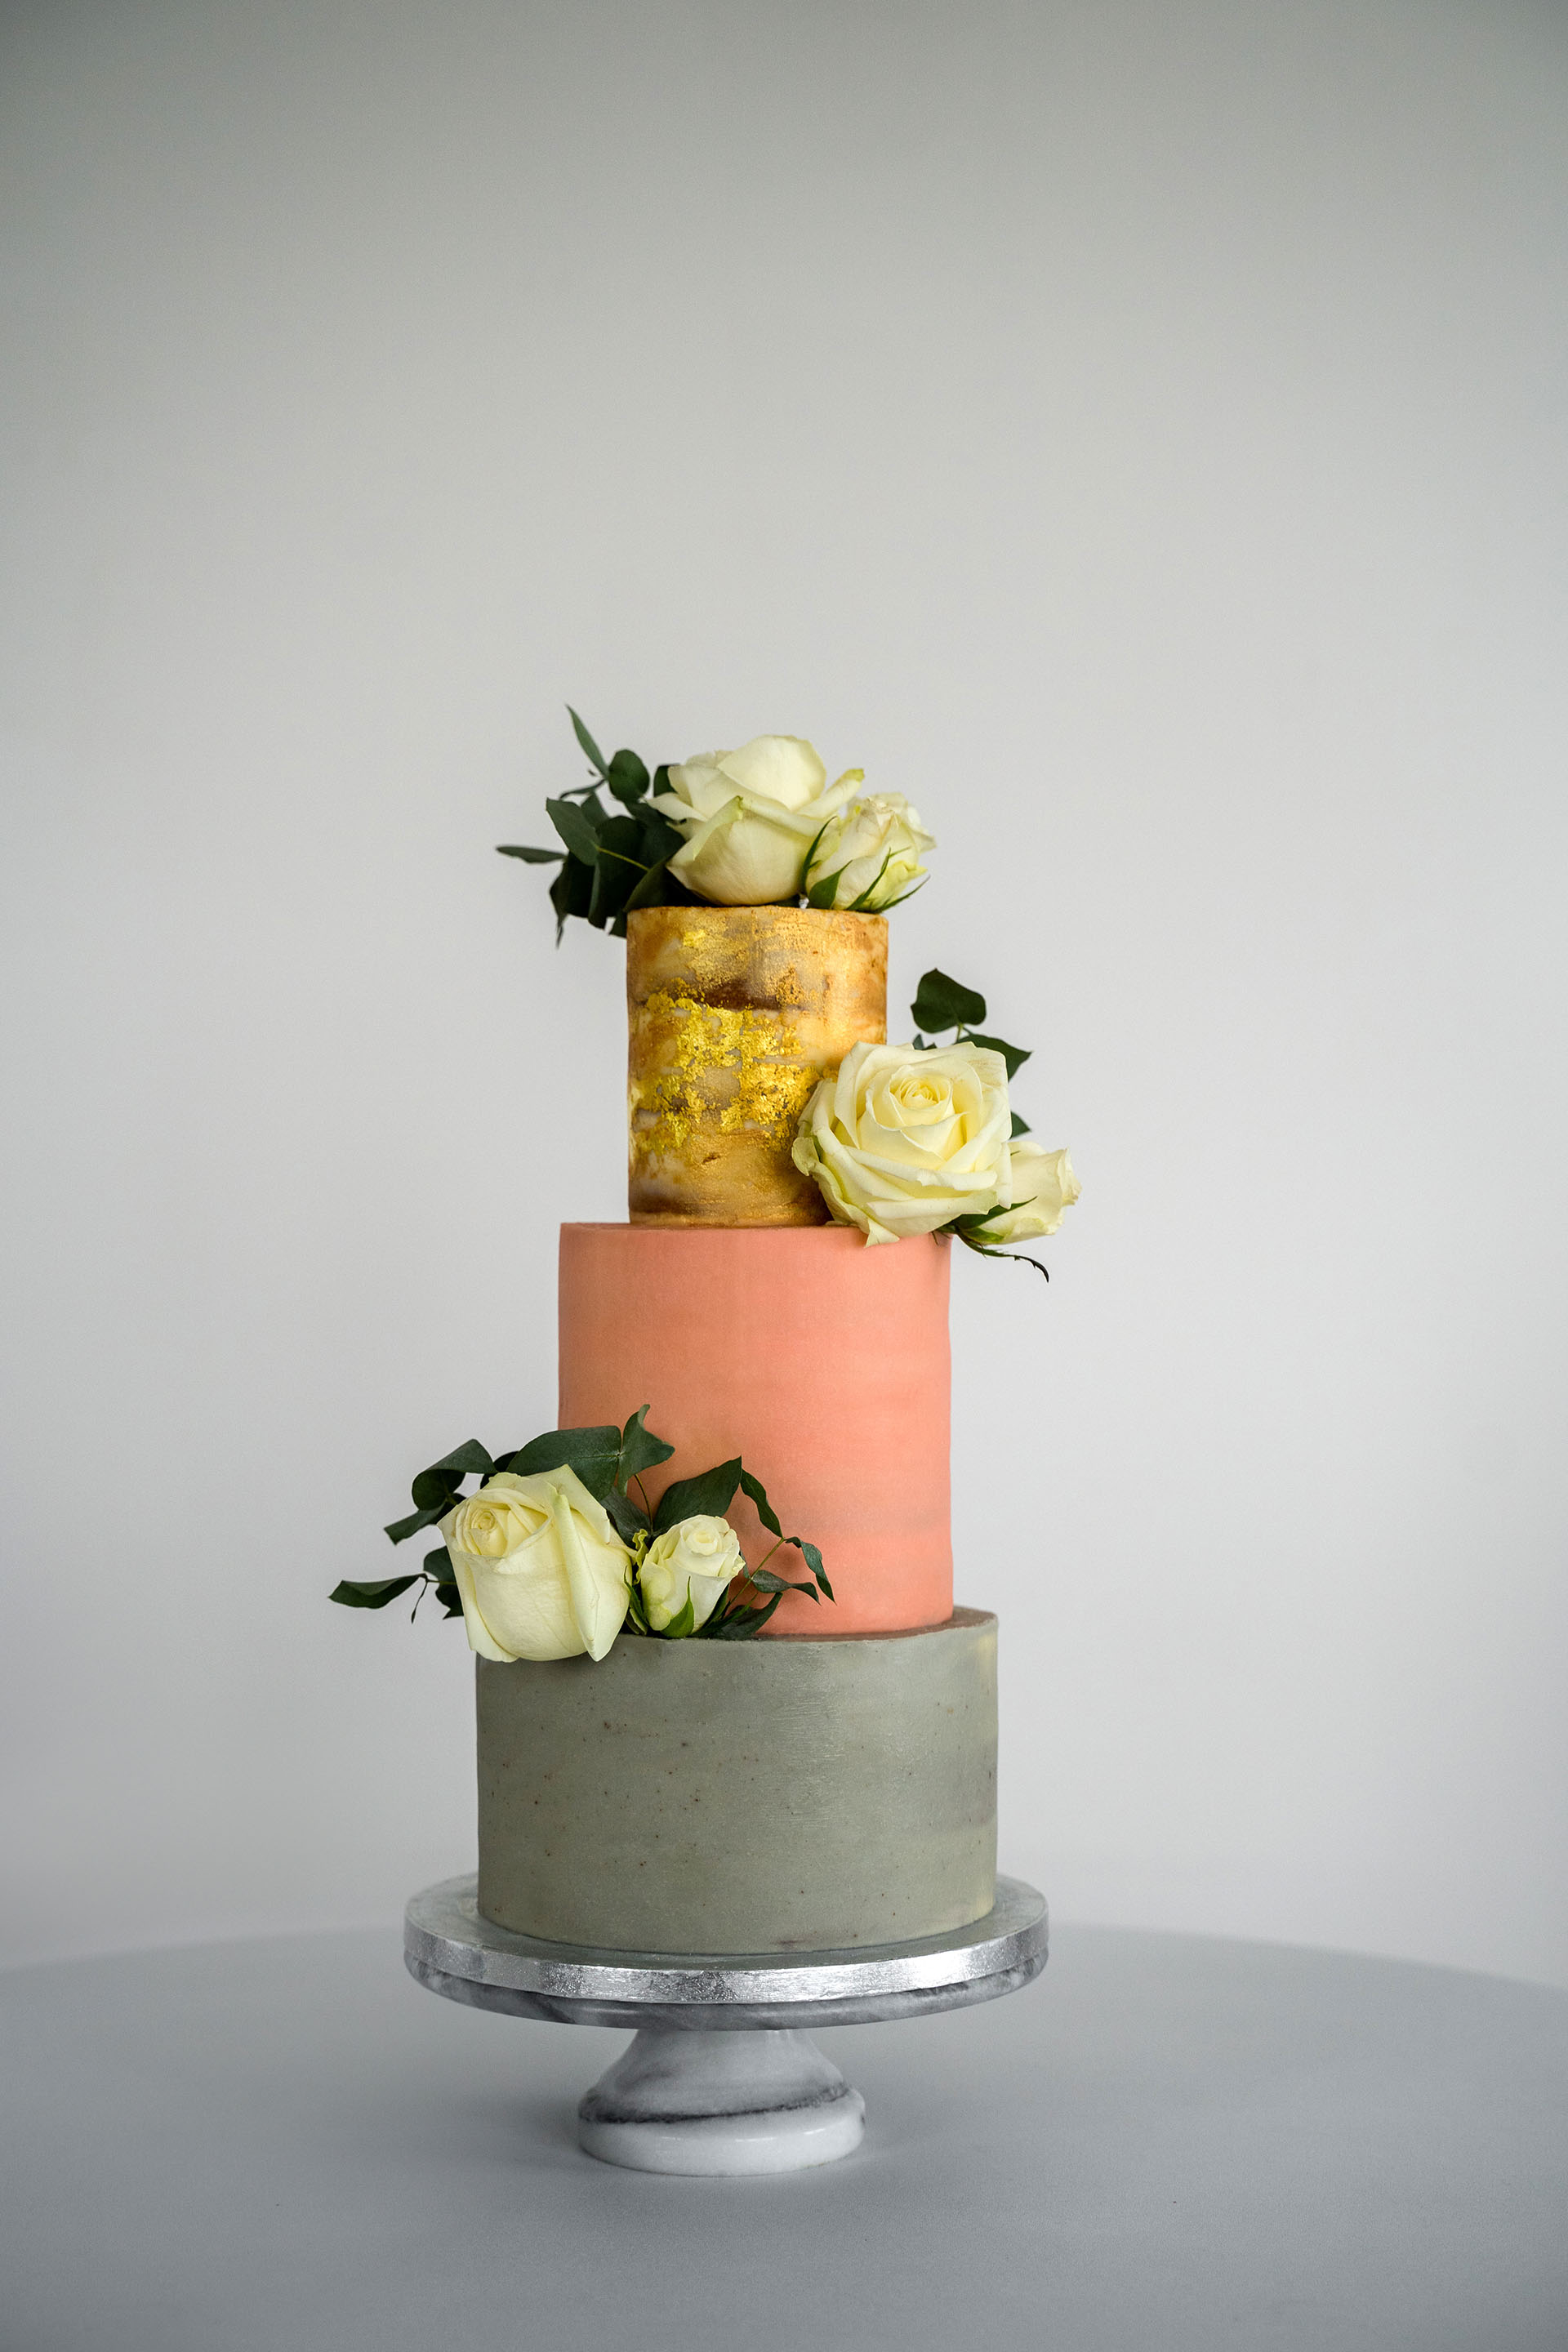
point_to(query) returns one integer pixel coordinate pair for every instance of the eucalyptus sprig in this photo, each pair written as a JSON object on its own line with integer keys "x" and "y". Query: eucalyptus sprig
{"x": 609, "y": 1462}
{"x": 614, "y": 858}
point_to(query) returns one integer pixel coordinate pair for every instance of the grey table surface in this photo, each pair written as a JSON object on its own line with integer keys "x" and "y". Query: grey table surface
{"x": 1168, "y": 2142}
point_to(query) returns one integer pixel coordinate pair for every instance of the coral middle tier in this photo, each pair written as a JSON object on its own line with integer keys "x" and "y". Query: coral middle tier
{"x": 824, "y": 1364}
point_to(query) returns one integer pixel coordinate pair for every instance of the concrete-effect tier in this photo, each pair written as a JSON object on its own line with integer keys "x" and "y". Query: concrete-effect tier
{"x": 723, "y": 1797}
{"x": 822, "y": 1361}
{"x": 733, "y": 1013}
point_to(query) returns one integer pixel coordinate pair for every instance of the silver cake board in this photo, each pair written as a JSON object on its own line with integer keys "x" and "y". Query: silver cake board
{"x": 721, "y": 2075}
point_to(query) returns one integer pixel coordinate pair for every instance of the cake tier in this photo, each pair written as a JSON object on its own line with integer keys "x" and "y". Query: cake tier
{"x": 721, "y": 1797}
{"x": 734, "y": 1015}
{"x": 822, "y": 1362}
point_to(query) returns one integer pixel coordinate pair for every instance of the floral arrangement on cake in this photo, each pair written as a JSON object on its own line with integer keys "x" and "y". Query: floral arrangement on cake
{"x": 900, "y": 1139}
{"x": 552, "y": 1556}
{"x": 922, "y": 1138}
{"x": 757, "y": 827}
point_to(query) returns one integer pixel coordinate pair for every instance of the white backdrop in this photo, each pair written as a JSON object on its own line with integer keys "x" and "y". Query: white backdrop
{"x": 1136, "y": 432}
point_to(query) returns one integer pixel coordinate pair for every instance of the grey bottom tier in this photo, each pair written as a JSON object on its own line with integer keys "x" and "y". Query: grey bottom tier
{"x": 774, "y": 1796}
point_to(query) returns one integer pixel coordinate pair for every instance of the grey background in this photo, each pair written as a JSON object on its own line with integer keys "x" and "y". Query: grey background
{"x": 1134, "y": 431}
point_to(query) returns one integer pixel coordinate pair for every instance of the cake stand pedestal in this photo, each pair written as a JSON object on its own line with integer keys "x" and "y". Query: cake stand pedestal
{"x": 722, "y": 2074}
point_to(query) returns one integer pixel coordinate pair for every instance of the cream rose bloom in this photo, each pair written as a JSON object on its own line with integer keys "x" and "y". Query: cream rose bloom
{"x": 539, "y": 1570}
{"x": 750, "y": 818}
{"x": 873, "y": 849}
{"x": 1044, "y": 1189}
{"x": 902, "y": 1141}
{"x": 697, "y": 1559}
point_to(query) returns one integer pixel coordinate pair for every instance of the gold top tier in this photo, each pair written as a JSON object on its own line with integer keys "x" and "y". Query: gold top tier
{"x": 734, "y": 1012}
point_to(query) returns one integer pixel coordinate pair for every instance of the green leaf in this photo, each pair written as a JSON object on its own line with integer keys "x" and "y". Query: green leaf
{"x": 1003, "y": 1257}
{"x": 586, "y": 740}
{"x": 637, "y": 1615}
{"x": 660, "y": 839}
{"x": 530, "y": 856}
{"x": 757, "y": 1493}
{"x": 708, "y": 1496}
{"x": 813, "y": 1560}
{"x": 861, "y": 905}
{"x": 1014, "y": 1055}
{"x": 436, "y": 1490}
{"x": 401, "y": 1529}
{"x": 974, "y": 1221}
{"x": 353, "y": 1594}
{"x": 626, "y": 777}
{"x": 593, "y": 1454}
{"x": 469, "y": 1460}
{"x": 640, "y": 1449}
{"x": 824, "y": 890}
{"x": 683, "y": 1622}
{"x": 652, "y": 890}
{"x": 571, "y": 893}
{"x": 451, "y": 1599}
{"x": 573, "y": 822}
{"x": 655, "y": 886}
{"x": 740, "y": 1623}
{"x": 943, "y": 1004}
{"x": 627, "y": 1517}
{"x": 1021, "y": 1125}
{"x": 766, "y": 1582}
{"x": 904, "y": 895}
{"x": 620, "y": 842}
{"x": 438, "y": 1565}
{"x": 620, "y": 867}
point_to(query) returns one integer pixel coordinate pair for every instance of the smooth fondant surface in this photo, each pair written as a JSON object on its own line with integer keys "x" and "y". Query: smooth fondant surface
{"x": 721, "y": 1797}
{"x": 822, "y": 1362}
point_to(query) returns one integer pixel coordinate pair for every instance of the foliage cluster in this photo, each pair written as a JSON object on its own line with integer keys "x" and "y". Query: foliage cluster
{"x": 609, "y": 1462}
{"x": 614, "y": 858}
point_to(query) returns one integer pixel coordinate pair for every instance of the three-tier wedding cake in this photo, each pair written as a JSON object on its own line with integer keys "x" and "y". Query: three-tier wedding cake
{"x": 832, "y": 1783}
{"x": 680, "y": 1750}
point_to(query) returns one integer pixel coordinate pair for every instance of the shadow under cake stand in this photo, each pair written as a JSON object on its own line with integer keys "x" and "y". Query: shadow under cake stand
{"x": 722, "y": 2074}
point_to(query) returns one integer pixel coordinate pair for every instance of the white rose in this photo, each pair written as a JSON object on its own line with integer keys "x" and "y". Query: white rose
{"x": 1044, "y": 1189}
{"x": 539, "y": 1570}
{"x": 902, "y": 1141}
{"x": 750, "y": 818}
{"x": 694, "y": 1560}
{"x": 872, "y": 849}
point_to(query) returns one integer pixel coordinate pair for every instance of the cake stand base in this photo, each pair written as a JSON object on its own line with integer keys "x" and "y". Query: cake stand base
{"x": 750, "y": 2102}
{"x": 721, "y": 2075}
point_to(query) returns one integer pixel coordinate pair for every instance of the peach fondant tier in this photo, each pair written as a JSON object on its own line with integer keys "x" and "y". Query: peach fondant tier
{"x": 822, "y": 1362}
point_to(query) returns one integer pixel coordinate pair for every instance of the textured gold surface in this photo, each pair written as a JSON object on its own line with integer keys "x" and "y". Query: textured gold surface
{"x": 733, "y": 1013}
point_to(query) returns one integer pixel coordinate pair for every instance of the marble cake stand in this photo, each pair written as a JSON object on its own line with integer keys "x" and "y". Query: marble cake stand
{"x": 721, "y": 2075}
